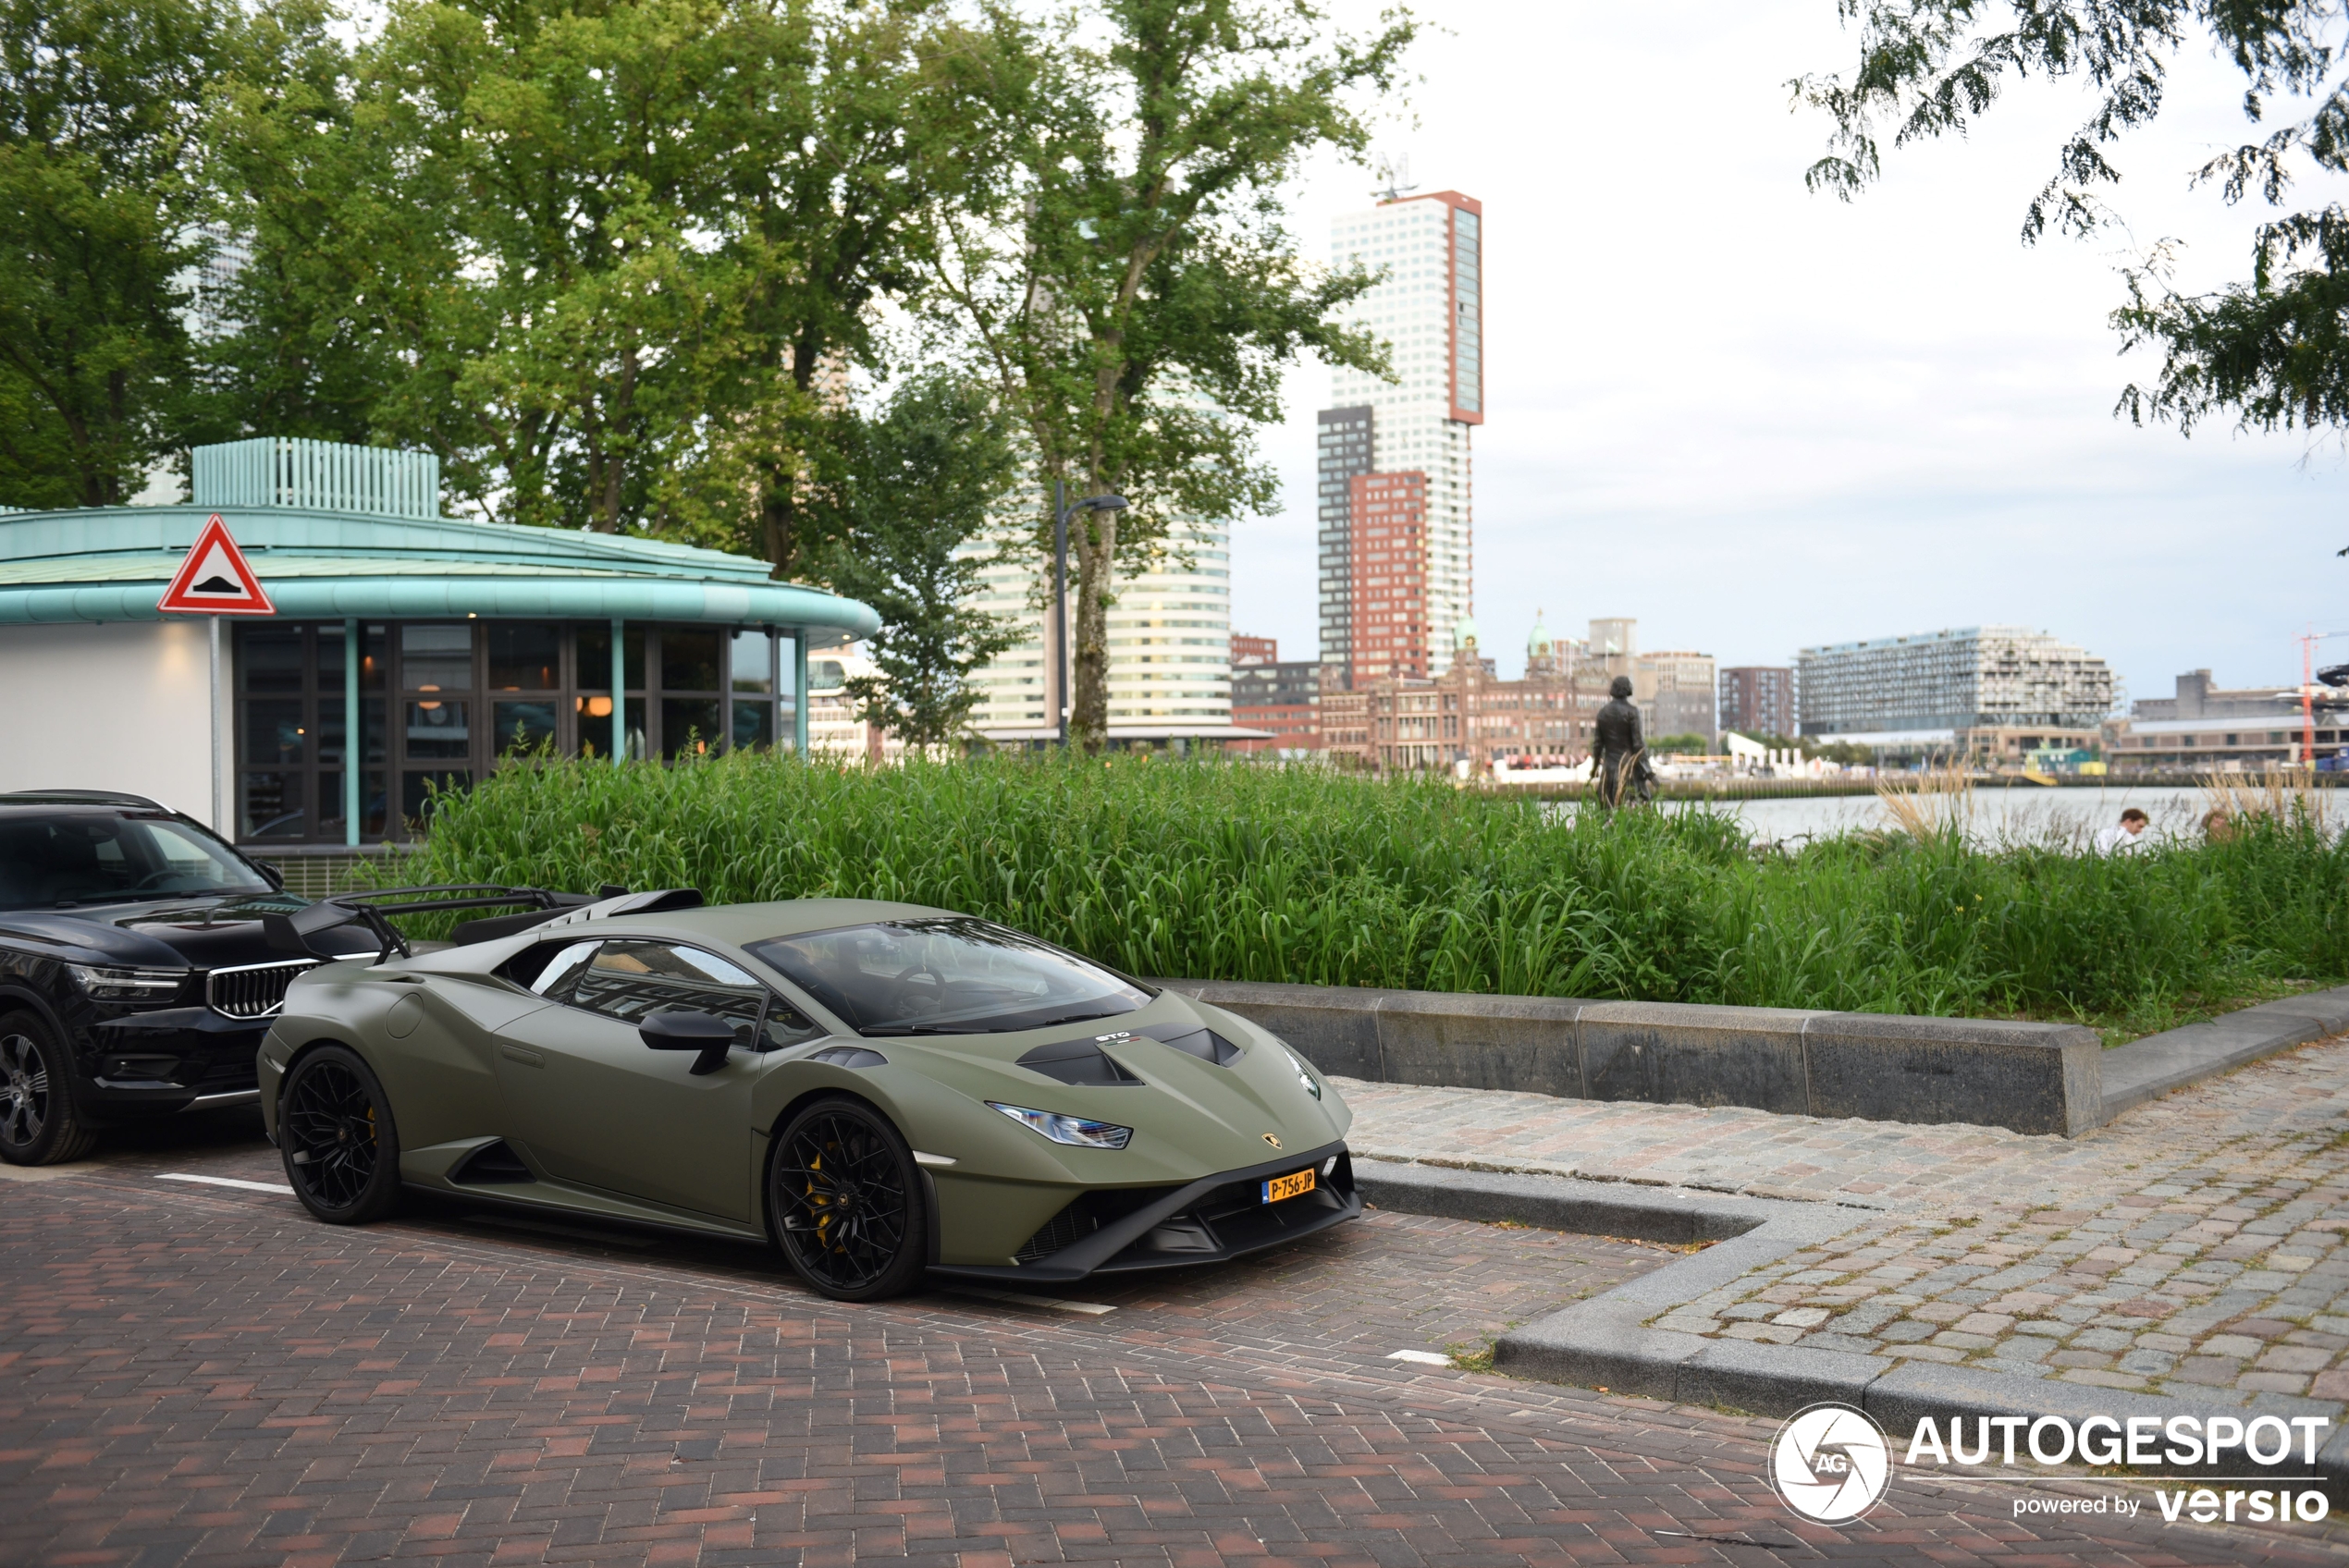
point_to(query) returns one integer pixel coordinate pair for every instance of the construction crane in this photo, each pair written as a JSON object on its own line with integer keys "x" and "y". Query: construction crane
{"x": 2332, "y": 675}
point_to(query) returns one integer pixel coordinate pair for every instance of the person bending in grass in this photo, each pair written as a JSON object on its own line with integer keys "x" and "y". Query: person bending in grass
{"x": 2128, "y": 835}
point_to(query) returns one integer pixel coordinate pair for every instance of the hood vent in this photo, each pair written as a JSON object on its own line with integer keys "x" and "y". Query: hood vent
{"x": 1081, "y": 1063}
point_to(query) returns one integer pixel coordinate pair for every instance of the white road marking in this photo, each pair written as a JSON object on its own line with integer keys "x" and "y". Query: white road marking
{"x": 1090, "y": 1309}
{"x": 1423, "y": 1357}
{"x": 229, "y": 1182}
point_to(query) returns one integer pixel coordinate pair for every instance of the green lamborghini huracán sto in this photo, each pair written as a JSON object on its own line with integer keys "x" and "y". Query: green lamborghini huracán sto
{"x": 880, "y": 1089}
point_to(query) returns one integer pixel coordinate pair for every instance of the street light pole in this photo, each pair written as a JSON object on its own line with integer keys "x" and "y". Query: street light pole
{"x": 1061, "y": 512}
{"x": 1059, "y": 608}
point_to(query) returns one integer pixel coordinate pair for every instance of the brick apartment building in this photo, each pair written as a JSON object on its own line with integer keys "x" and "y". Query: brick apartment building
{"x": 1759, "y": 700}
{"x": 1284, "y": 699}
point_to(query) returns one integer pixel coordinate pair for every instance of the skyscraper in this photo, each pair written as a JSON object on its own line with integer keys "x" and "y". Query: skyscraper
{"x": 1391, "y": 598}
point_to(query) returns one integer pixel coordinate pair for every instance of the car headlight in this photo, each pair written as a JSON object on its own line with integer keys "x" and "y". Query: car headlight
{"x": 1078, "y": 1131}
{"x": 1305, "y": 1078}
{"x": 127, "y": 984}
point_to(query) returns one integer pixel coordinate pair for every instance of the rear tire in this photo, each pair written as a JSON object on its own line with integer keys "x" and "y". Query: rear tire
{"x": 334, "y": 1131}
{"x": 37, "y": 1121}
{"x": 846, "y": 1203}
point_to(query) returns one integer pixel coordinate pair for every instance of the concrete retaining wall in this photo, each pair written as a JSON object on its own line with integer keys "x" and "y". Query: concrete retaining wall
{"x": 2045, "y": 1078}
{"x": 2030, "y": 1077}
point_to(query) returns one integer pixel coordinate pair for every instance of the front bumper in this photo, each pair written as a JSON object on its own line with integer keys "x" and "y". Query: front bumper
{"x": 1208, "y": 1220}
{"x": 143, "y": 1065}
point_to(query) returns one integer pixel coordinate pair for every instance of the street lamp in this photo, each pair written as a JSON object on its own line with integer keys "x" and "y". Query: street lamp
{"x": 1061, "y": 512}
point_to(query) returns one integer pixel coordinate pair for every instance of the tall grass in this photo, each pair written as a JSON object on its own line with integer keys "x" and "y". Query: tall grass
{"x": 1245, "y": 873}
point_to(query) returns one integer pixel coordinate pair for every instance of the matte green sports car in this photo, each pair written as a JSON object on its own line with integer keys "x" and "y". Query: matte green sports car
{"x": 878, "y": 1088}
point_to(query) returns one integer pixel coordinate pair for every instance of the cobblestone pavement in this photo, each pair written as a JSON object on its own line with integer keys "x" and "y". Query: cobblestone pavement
{"x": 2194, "y": 1246}
{"x": 200, "y": 1373}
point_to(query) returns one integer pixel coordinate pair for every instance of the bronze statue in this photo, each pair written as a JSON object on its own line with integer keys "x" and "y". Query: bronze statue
{"x": 1619, "y": 751}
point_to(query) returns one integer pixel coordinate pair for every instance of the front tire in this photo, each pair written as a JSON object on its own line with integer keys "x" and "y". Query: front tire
{"x": 846, "y": 1203}
{"x": 37, "y": 1123}
{"x": 334, "y": 1131}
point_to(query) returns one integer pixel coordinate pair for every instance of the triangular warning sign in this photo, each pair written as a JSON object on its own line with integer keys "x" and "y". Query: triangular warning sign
{"x": 215, "y": 580}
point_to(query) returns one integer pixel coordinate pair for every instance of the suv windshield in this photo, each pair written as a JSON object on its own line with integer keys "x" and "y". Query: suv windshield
{"x": 946, "y": 974}
{"x": 103, "y": 857}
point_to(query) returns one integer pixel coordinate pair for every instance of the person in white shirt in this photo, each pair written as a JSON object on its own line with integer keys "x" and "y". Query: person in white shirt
{"x": 2129, "y": 834}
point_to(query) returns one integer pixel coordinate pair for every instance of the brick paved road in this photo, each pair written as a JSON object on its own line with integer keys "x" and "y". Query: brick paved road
{"x": 201, "y": 1374}
{"x": 2191, "y": 1247}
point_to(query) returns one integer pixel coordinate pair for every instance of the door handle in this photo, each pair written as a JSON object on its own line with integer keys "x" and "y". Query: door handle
{"x": 523, "y": 1054}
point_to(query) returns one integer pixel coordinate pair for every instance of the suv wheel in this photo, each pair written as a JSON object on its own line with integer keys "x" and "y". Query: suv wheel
{"x": 37, "y": 1123}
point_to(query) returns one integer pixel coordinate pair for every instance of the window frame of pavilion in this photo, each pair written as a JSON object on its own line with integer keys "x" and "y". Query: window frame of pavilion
{"x": 709, "y": 687}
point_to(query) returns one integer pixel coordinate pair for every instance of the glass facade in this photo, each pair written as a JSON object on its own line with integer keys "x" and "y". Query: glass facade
{"x": 443, "y": 702}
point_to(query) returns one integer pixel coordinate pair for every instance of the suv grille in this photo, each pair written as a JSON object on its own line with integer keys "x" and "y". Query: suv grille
{"x": 252, "y": 990}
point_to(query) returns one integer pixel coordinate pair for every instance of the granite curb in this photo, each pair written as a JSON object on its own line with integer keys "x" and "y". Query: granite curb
{"x": 1606, "y": 1344}
{"x": 2147, "y": 1069}
{"x": 2031, "y": 1078}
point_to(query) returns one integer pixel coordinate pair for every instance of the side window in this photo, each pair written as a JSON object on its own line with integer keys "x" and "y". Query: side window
{"x": 626, "y": 980}
{"x": 560, "y": 969}
{"x": 786, "y": 1025}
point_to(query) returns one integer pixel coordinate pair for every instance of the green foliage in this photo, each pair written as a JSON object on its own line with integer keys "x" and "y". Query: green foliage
{"x": 100, "y": 102}
{"x": 1680, "y": 745}
{"x": 598, "y": 257}
{"x": 2273, "y": 348}
{"x": 1125, "y": 276}
{"x": 917, "y": 485}
{"x": 1242, "y": 873}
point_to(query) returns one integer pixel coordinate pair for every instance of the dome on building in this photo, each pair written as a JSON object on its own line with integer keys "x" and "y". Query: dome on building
{"x": 1464, "y": 632}
{"x": 1537, "y": 645}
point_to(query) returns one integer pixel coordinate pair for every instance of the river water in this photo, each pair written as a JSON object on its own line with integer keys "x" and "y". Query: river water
{"x": 1997, "y": 814}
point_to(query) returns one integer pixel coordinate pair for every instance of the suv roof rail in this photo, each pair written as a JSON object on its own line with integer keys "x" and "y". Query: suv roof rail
{"x": 80, "y": 798}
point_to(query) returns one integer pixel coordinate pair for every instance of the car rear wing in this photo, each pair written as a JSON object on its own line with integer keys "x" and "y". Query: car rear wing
{"x": 305, "y": 931}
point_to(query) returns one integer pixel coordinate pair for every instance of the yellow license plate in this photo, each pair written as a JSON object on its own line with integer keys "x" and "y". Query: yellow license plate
{"x": 1295, "y": 1184}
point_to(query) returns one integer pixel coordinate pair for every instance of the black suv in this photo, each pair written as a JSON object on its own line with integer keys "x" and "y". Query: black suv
{"x": 135, "y": 979}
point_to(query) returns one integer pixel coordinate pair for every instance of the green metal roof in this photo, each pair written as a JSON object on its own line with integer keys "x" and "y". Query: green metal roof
{"x": 111, "y": 563}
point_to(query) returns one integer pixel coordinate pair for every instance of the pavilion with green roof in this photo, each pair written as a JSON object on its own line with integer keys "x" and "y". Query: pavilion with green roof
{"x": 443, "y": 645}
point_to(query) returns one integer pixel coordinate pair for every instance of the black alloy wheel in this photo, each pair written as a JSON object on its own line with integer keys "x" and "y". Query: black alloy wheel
{"x": 37, "y": 1123}
{"x": 846, "y": 1202}
{"x": 335, "y": 1133}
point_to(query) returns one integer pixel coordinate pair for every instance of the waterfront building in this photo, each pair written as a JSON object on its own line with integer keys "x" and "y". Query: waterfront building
{"x": 1468, "y": 715}
{"x": 1281, "y": 699}
{"x": 408, "y": 652}
{"x": 1920, "y": 694}
{"x": 1758, "y": 700}
{"x": 2204, "y": 726}
{"x": 1169, "y": 634}
{"x": 1428, "y": 307}
{"x": 1673, "y": 691}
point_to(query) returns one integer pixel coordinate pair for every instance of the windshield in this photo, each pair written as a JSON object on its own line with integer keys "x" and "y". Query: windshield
{"x": 947, "y": 974}
{"x": 94, "y": 858}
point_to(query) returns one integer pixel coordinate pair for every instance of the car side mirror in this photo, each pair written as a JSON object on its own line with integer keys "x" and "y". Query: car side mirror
{"x": 681, "y": 1029}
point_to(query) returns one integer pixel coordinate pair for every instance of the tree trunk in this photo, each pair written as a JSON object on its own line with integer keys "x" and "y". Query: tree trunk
{"x": 1093, "y": 540}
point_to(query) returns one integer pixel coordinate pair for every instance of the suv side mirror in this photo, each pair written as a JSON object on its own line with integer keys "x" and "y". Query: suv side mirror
{"x": 276, "y": 878}
{"x": 681, "y": 1029}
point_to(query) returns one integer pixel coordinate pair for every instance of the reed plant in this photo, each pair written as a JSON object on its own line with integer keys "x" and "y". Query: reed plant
{"x": 1244, "y": 871}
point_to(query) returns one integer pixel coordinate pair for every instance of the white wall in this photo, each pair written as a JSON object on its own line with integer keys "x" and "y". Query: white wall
{"x": 121, "y": 705}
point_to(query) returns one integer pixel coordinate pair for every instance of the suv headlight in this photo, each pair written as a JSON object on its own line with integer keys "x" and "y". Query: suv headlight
{"x": 128, "y": 985}
{"x": 1077, "y": 1130}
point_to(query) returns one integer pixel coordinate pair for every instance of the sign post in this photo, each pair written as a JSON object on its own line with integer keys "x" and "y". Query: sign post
{"x": 214, "y": 581}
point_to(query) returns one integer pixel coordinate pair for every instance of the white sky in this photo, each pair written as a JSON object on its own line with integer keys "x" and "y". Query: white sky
{"x": 1758, "y": 419}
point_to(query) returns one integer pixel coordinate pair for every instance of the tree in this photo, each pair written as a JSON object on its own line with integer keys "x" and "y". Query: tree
{"x": 602, "y": 257}
{"x": 1125, "y": 275}
{"x": 919, "y": 483}
{"x": 99, "y": 102}
{"x": 2272, "y": 349}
